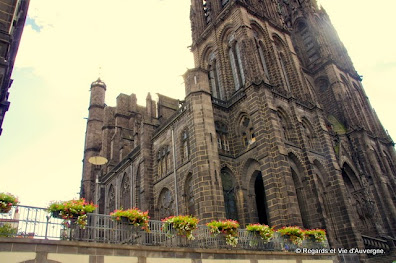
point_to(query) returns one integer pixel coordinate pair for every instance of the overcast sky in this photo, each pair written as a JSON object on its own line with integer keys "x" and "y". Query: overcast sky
{"x": 135, "y": 47}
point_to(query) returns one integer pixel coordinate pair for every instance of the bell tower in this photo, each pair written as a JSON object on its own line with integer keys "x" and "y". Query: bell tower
{"x": 291, "y": 116}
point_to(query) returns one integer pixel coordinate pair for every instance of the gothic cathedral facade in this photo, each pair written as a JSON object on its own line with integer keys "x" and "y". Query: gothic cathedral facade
{"x": 275, "y": 128}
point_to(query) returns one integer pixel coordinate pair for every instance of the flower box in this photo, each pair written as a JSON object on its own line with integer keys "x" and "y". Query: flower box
{"x": 259, "y": 233}
{"x": 74, "y": 210}
{"x": 293, "y": 236}
{"x": 133, "y": 217}
{"x": 228, "y": 228}
{"x": 7, "y": 201}
{"x": 182, "y": 225}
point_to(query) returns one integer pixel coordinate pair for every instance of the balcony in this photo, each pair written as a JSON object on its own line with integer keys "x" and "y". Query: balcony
{"x": 37, "y": 223}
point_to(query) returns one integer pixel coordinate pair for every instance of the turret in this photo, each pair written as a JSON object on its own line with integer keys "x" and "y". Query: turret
{"x": 93, "y": 137}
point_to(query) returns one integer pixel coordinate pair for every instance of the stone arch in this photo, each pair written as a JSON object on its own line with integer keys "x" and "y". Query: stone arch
{"x": 322, "y": 172}
{"x": 285, "y": 124}
{"x": 245, "y": 129}
{"x": 322, "y": 84}
{"x": 261, "y": 50}
{"x": 278, "y": 41}
{"x": 138, "y": 189}
{"x": 310, "y": 136}
{"x": 320, "y": 177}
{"x": 126, "y": 192}
{"x": 166, "y": 203}
{"x": 229, "y": 184}
{"x": 363, "y": 208}
{"x": 350, "y": 177}
{"x": 189, "y": 195}
{"x": 297, "y": 187}
{"x": 185, "y": 144}
{"x": 223, "y": 143}
{"x": 256, "y": 26}
{"x": 111, "y": 197}
{"x": 208, "y": 49}
{"x": 225, "y": 32}
{"x": 257, "y": 197}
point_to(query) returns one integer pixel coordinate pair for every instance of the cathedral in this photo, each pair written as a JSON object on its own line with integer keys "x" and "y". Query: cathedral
{"x": 275, "y": 127}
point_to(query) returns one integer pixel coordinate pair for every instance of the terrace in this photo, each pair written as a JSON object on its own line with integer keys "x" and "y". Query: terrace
{"x": 35, "y": 222}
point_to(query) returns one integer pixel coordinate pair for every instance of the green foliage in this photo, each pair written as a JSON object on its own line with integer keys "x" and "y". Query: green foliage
{"x": 7, "y": 230}
{"x": 228, "y": 227}
{"x": 265, "y": 232}
{"x": 134, "y": 216}
{"x": 73, "y": 209}
{"x": 292, "y": 233}
{"x": 7, "y": 200}
{"x": 184, "y": 225}
{"x": 316, "y": 235}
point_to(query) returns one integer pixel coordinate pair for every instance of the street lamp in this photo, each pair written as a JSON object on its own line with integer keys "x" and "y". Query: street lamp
{"x": 97, "y": 160}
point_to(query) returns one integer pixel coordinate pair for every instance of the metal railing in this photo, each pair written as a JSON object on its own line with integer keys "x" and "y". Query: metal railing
{"x": 33, "y": 222}
{"x": 102, "y": 229}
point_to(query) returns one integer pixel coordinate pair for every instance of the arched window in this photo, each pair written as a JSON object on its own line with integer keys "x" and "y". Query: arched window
{"x": 112, "y": 199}
{"x": 166, "y": 203}
{"x": 247, "y": 131}
{"x": 163, "y": 161}
{"x": 216, "y": 87}
{"x": 260, "y": 52}
{"x": 285, "y": 125}
{"x": 282, "y": 61}
{"x": 221, "y": 133}
{"x": 229, "y": 193}
{"x": 309, "y": 134}
{"x": 234, "y": 55}
{"x": 261, "y": 200}
{"x": 126, "y": 192}
{"x": 301, "y": 199}
{"x": 137, "y": 202}
{"x": 322, "y": 84}
{"x": 189, "y": 194}
{"x": 185, "y": 145}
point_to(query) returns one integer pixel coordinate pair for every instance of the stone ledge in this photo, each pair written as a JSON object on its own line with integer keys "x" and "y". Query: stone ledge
{"x": 93, "y": 251}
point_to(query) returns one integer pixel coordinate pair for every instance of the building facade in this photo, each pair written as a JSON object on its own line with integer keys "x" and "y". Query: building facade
{"x": 12, "y": 20}
{"x": 275, "y": 128}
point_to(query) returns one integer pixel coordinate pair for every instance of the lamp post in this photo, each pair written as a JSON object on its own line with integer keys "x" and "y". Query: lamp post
{"x": 98, "y": 161}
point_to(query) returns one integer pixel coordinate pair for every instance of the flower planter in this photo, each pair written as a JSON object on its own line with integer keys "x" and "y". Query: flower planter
{"x": 124, "y": 220}
{"x": 227, "y": 228}
{"x": 5, "y": 210}
{"x": 56, "y": 214}
{"x": 182, "y": 226}
{"x": 7, "y": 201}
{"x": 132, "y": 216}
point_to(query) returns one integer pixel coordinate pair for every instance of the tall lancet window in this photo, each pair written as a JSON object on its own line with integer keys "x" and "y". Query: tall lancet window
{"x": 217, "y": 90}
{"x": 260, "y": 51}
{"x": 126, "y": 192}
{"x": 112, "y": 199}
{"x": 284, "y": 70}
{"x": 283, "y": 62}
{"x": 234, "y": 54}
